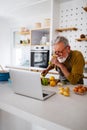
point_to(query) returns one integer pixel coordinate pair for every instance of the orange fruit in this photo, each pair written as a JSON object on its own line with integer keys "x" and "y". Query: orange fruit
{"x": 75, "y": 89}
{"x": 53, "y": 83}
{"x": 80, "y": 90}
{"x": 84, "y": 89}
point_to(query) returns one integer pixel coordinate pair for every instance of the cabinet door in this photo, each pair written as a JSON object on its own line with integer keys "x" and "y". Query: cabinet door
{"x": 40, "y": 36}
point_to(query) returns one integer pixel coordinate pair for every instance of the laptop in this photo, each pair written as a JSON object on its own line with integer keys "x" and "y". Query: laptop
{"x": 28, "y": 84}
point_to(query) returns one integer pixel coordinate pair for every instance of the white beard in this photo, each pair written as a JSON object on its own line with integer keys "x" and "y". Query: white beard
{"x": 62, "y": 60}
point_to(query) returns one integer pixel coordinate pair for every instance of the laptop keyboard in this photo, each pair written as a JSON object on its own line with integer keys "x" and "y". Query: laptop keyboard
{"x": 44, "y": 94}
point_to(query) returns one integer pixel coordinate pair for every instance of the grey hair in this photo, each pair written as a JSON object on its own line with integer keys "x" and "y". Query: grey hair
{"x": 61, "y": 39}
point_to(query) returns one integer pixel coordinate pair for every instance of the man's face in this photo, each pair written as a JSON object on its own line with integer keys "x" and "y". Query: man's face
{"x": 61, "y": 51}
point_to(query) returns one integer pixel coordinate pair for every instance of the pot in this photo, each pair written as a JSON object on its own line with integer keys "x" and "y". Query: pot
{"x": 4, "y": 75}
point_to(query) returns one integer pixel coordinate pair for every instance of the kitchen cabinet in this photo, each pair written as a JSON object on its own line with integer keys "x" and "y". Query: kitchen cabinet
{"x": 36, "y": 36}
{"x": 40, "y": 36}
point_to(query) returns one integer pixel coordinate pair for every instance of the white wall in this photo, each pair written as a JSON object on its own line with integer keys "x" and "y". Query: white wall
{"x": 4, "y": 42}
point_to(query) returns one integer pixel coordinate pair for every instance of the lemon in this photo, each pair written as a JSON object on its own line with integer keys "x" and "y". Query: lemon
{"x": 52, "y": 78}
{"x": 66, "y": 93}
{"x": 61, "y": 92}
{"x": 67, "y": 89}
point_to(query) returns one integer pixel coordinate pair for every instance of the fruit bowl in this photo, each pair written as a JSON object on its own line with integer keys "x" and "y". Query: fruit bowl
{"x": 78, "y": 93}
{"x": 80, "y": 90}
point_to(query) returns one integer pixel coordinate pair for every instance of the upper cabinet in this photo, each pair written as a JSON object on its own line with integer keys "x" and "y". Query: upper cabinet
{"x": 36, "y": 36}
{"x": 40, "y": 36}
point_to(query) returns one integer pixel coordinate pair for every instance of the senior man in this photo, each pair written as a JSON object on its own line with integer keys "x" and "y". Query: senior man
{"x": 69, "y": 63}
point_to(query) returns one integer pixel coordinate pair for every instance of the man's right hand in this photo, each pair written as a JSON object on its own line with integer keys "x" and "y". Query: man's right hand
{"x": 44, "y": 72}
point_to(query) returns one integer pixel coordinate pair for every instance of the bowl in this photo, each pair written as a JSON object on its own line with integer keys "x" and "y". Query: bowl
{"x": 4, "y": 76}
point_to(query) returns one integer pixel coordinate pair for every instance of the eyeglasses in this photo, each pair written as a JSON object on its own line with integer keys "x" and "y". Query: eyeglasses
{"x": 60, "y": 52}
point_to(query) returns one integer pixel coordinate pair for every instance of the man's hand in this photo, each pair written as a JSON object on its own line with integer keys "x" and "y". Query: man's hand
{"x": 55, "y": 61}
{"x": 44, "y": 72}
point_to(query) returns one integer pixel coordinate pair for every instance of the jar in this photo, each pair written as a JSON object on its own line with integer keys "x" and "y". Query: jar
{"x": 37, "y": 25}
{"x": 47, "y": 22}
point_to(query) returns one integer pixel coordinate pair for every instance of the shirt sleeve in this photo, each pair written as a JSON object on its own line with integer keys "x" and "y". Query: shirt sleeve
{"x": 76, "y": 73}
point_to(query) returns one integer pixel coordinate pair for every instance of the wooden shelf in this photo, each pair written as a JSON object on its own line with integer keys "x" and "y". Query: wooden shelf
{"x": 85, "y": 8}
{"x": 81, "y": 39}
{"x": 41, "y": 28}
{"x": 66, "y": 29}
{"x": 24, "y": 33}
{"x": 20, "y": 45}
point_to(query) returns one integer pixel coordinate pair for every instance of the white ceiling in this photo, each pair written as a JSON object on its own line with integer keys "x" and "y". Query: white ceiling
{"x": 13, "y": 7}
{"x": 20, "y": 8}
{"x": 25, "y": 10}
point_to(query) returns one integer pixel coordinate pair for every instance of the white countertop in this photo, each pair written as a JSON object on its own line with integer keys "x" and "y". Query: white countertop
{"x": 56, "y": 113}
{"x": 39, "y": 70}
